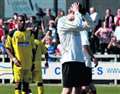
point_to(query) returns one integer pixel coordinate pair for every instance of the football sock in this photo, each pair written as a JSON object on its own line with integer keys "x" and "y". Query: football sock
{"x": 40, "y": 89}
{"x": 17, "y": 91}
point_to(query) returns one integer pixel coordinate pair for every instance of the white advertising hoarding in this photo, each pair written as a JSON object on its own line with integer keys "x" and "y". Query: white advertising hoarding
{"x": 6, "y": 71}
{"x": 53, "y": 72}
{"x": 104, "y": 71}
{"x": 107, "y": 70}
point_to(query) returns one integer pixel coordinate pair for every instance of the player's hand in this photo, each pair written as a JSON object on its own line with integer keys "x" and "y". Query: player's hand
{"x": 46, "y": 65}
{"x": 95, "y": 61}
{"x": 86, "y": 25}
{"x": 75, "y": 7}
{"x": 33, "y": 67}
{"x": 16, "y": 62}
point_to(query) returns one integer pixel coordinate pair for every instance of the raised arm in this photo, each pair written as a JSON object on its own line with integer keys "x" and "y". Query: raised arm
{"x": 70, "y": 23}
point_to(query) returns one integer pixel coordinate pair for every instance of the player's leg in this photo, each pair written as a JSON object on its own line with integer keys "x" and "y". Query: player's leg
{"x": 25, "y": 89}
{"x": 76, "y": 90}
{"x": 66, "y": 90}
{"x": 37, "y": 77}
{"x": 93, "y": 88}
{"x": 85, "y": 90}
{"x": 17, "y": 77}
{"x": 84, "y": 87}
{"x": 17, "y": 88}
{"x": 26, "y": 80}
{"x": 91, "y": 85}
{"x": 29, "y": 91}
{"x": 72, "y": 73}
{"x": 67, "y": 81}
{"x": 39, "y": 82}
{"x": 40, "y": 88}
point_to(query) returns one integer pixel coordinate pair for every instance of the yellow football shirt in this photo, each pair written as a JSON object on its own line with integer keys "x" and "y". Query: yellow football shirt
{"x": 21, "y": 43}
{"x": 40, "y": 50}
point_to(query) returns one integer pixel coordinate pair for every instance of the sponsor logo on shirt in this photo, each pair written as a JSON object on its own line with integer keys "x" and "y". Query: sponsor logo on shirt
{"x": 23, "y": 44}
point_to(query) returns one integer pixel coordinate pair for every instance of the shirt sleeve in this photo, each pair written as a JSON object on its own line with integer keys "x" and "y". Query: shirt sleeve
{"x": 8, "y": 42}
{"x": 66, "y": 25}
{"x": 42, "y": 46}
{"x": 32, "y": 41}
{"x": 84, "y": 38}
{"x": 44, "y": 49}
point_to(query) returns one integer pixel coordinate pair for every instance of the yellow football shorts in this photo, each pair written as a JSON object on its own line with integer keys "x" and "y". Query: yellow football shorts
{"x": 21, "y": 75}
{"x": 37, "y": 72}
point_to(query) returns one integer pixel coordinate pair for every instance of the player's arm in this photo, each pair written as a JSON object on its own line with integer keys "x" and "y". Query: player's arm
{"x": 73, "y": 26}
{"x": 12, "y": 57}
{"x": 33, "y": 58}
{"x": 46, "y": 60}
{"x": 33, "y": 44}
{"x": 45, "y": 52}
{"x": 43, "y": 49}
{"x": 87, "y": 49}
{"x": 9, "y": 50}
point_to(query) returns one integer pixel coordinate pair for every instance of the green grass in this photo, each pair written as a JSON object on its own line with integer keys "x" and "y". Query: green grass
{"x": 9, "y": 89}
{"x": 56, "y": 89}
{"x": 108, "y": 89}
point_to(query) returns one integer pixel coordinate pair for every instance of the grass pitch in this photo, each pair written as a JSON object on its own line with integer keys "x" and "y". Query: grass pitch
{"x": 56, "y": 89}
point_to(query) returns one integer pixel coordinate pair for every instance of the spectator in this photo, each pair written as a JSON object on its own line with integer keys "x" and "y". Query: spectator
{"x": 109, "y": 19}
{"x": 58, "y": 51}
{"x": 52, "y": 30}
{"x": 33, "y": 26}
{"x": 94, "y": 16}
{"x": 2, "y": 45}
{"x": 47, "y": 18}
{"x": 2, "y": 33}
{"x": 60, "y": 13}
{"x": 114, "y": 45}
{"x": 39, "y": 18}
{"x": 51, "y": 48}
{"x": 12, "y": 23}
{"x": 94, "y": 41}
{"x": 104, "y": 34}
{"x": 117, "y": 18}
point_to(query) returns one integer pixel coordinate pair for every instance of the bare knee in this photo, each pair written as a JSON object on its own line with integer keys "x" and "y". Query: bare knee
{"x": 66, "y": 91}
{"x": 18, "y": 85}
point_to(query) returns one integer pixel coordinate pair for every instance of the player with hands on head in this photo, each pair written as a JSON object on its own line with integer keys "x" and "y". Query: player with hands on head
{"x": 73, "y": 65}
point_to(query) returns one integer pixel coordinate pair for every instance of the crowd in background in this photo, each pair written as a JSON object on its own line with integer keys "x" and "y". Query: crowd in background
{"x": 102, "y": 37}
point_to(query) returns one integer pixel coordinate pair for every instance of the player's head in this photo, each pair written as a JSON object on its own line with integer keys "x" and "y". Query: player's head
{"x": 76, "y": 6}
{"x": 70, "y": 15}
{"x": 92, "y": 10}
{"x": 21, "y": 23}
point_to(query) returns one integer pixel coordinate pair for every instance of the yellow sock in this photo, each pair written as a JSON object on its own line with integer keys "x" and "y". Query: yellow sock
{"x": 23, "y": 92}
{"x": 17, "y": 92}
{"x": 40, "y": 89}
